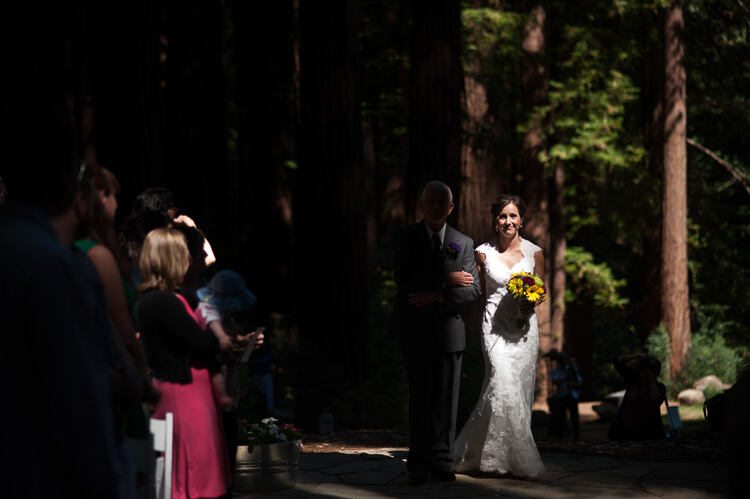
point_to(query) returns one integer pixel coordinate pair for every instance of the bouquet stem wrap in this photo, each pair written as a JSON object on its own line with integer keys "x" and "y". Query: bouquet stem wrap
{"x": 522, "y": 319}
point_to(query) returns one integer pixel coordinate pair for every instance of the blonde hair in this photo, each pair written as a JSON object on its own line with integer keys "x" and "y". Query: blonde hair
{"x": 164, "y": 260}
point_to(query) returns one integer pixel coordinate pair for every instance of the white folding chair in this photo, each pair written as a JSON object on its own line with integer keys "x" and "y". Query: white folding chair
{"x": 161, "y": 429}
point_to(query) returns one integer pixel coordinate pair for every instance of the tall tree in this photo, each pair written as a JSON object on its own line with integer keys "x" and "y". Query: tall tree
{"x": 122, "y": 56}
{"x": 558, "y": 246}
{"x": 653, "y": 98}
{"x": 330, "y": 217}
{"x": 675, "y": 306}
{"x": 196, "y": 120}
{"x": 266, "y": 122}
{"x": 489, "y": 55}
{"x": 434, "y": 99}
{"x": 535, "y": 190}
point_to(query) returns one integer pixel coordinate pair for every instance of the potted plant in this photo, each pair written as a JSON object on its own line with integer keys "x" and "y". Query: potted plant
{"x": 267, "y": 456}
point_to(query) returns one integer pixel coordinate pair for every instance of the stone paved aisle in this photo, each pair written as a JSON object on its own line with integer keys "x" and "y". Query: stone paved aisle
{"x": 381, "y": 473}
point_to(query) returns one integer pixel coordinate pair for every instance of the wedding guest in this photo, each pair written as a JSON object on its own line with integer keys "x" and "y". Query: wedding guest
{"x": 436, "y": 275}
{"x": 497, "y": 437}
{"x": 262, "y": 368}
{"x": 567, "y": 381}
{"x": 50, "y": 338}
{"x": 133, "y": 232}
{"x": 737, "y": 434}
{"x": 178, "y": 351}
{"x": 160, "y": 200}
{"x": 225, "y": 294}
{"x": 639, "y": 415}
{"x": 101, "y": 246}
{"x": 194, "y": 277}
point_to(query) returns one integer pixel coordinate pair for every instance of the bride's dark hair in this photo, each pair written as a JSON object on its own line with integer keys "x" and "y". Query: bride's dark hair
{"x": 504, "y": 200}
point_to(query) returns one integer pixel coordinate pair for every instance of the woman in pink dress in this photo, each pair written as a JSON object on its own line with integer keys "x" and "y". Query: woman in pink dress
{"x": 178, "y": 352}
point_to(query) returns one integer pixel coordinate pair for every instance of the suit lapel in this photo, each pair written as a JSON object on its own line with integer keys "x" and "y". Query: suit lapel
{"x": 451, "y": 236}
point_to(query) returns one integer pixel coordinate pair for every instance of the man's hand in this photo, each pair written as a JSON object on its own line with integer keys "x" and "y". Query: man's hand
{"x": 459, "y": 279}
{"x": 424, "y": 298}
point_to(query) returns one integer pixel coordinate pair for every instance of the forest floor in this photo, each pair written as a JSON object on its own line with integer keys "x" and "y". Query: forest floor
{"x": 696, "y": 443}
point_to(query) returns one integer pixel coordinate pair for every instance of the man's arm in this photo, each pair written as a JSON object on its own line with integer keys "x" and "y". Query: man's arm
{"x": 457, "y": 296}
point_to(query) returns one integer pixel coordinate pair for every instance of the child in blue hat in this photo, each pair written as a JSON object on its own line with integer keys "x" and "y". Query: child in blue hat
{"x": 225, "y": 293}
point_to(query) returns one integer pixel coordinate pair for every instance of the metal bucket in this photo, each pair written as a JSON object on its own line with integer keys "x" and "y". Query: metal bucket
{"x": 268, "y": 467}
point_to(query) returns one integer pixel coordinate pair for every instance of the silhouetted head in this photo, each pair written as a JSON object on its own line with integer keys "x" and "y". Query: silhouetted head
{"x": 651, "y": 364}
{"x": 436, "y": 204}
{"x": 39, "y": 164}
{"x": 155, "y": 199}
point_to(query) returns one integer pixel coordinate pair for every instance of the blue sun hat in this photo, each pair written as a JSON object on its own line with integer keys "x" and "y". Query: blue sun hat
{"x": 227, "y": 290}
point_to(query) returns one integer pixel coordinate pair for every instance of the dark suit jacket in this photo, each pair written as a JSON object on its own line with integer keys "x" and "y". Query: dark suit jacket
{"x": 416, "y": 268}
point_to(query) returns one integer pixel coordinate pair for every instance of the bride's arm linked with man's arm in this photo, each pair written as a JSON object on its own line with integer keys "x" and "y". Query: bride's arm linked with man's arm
{"x": 463, "y": 286}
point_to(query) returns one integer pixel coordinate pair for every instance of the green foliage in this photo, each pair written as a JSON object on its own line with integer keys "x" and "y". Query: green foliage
{"x": 490, "y": 57}
{"x": 387, "y": 385}
{"x": 719, "y": 263}
{"x": 489, "y": 33}
{"x": 708, "y": 355}
{"x": 659, "y": 346}
{"x": 267, "y": 431}
{"x": 592, "y": 279}
{"x": 711, "y": 391}
{"x": 590, "y": 115}
{"x": 718, "y": 71}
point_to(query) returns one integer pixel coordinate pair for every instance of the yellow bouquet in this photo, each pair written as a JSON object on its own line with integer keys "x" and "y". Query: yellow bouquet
{"x": 526, "y": 286}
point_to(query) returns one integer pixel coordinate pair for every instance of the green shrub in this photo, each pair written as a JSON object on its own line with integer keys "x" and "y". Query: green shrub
{"x": 708, "y": 354}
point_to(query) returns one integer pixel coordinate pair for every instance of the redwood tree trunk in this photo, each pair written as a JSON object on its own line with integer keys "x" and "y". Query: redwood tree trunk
{"x": 675, "y": 305}
{"x": 330, "y": 219}
{"x": 197, "y": 133}
{"x": 267, "y": 121}
{"x": 535, "y": 80}
{"x": 482, "y": 183}
{"x": 558, "y": 246}
{"x": 653, "y": 96}
{"x": 128, "y": 106}
{"x": 434, "y": 100}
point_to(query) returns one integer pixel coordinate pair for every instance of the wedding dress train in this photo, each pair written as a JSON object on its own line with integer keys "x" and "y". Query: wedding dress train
{"x": 497, "y": 437}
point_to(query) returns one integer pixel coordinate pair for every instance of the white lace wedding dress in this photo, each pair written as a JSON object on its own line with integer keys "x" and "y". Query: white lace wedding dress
{"x": 497, "y": 437}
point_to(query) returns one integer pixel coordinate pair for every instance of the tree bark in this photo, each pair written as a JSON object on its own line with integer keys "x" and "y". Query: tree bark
{"x": 434, "y": 100}
{"x": 123, "y": 57}
{"x": 653, "y": 97}
{"x": 197, "y": 126}
{"x": 674, "y": 290}
{"x": 330, "y": 218}
{"x": 266, "y": 129}
{"x": 482, "y": 182}
{"x": 558, "y": 246}
{"x": 535, "y": 191}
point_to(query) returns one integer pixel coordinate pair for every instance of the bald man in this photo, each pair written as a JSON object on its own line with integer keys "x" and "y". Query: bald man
{"x": 436, "y": 275}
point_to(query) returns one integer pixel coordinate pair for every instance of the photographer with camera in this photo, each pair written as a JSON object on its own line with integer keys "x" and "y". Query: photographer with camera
{"x": 639, "y": 416}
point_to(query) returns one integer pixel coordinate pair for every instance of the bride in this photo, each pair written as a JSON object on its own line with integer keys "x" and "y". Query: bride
{"x": 497, "y": 437}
